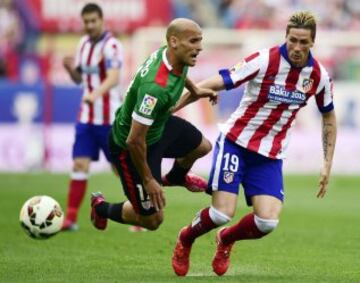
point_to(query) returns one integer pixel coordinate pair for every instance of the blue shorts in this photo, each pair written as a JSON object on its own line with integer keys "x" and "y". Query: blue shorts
{"x": 234, "y": 165}
{"x": 89, "y": 140}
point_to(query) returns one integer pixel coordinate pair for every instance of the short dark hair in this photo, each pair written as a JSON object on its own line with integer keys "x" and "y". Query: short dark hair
{"x": 91, "y": 8}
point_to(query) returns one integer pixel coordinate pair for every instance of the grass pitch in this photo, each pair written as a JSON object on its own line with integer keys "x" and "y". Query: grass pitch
{"x": 316, "y": 241}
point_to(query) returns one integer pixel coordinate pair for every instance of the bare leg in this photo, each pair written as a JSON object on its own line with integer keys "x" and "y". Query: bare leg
{"x": 225, "y": 202}
{"x": 151, "y": 222}
{"x": 267, "y": 207}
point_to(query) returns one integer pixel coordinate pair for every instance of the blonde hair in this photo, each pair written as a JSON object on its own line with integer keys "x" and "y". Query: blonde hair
{"x": 304, "y": 20}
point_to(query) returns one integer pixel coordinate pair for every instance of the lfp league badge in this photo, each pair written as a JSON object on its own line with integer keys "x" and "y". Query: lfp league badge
{"x": 148, "y": 104}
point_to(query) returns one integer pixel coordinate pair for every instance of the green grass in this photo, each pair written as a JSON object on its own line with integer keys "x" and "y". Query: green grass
{"x": 316, "y": 241}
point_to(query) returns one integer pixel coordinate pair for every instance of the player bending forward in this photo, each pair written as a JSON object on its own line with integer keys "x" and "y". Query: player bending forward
{"x": 253, "y": 141}
{"x": 144, "y": 132}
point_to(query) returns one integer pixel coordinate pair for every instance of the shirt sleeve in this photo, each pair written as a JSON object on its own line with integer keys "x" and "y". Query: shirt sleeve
{"x": 113, "y": 54}
{"x": 242, "y": 72}
{"x": 324, "y": 97}
{"x": 150, "y": 102}
{"x": 79, "y": 49}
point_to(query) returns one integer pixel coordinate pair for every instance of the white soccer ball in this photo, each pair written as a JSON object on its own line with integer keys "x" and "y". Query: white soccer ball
{"x": 41, "y": 217}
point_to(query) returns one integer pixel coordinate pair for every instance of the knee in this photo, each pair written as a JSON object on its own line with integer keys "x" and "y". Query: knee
{"x": 266, "y": 225}
{"x": 205, "y": 147}
{"x": 218, "y": 217}
{"x": 152, "y": 223}
{"x": 80, "y": 166}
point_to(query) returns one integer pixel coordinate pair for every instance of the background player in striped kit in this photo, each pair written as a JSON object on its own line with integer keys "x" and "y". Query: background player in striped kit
{"x": 253, "y": 141}
{"x": 144, "y": 132}
{"x": 97, "y": 66}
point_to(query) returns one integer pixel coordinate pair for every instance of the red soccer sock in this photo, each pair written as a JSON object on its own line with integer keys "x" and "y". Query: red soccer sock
{"x": 77, "y": 190}
{"x": 245, "y": 229}
{"x": 200, "y": 225}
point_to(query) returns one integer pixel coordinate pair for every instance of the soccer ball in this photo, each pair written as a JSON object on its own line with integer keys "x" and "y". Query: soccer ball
{"x": 41, "y": 217}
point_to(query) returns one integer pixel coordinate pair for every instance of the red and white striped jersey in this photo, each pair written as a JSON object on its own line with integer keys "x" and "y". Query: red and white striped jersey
{"x": 274, "y": 93}
{"x": 93, "y": 59}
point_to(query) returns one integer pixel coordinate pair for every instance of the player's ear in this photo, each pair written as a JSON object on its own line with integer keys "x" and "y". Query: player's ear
{"x": 173, "y": 41}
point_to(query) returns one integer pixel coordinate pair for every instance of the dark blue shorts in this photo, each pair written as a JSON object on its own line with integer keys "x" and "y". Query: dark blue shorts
{"x": 89, "y": 140}
{"x": 234, "y": 165}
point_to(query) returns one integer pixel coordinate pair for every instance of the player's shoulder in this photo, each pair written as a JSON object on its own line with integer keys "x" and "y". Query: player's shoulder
{"x": 111, "y": 43}
{"x": 258, "y": 58}
{"x": 112, "y": 39}
{"x": 85, "y": 38}
{"x": 321, "y": 75}
{"x": 150, "y": 87}
{"x": 153, "y": 87}
{"x": 151, "y": 74}
{"x": 323, "y": 71}
{"x": 267, "y": 53}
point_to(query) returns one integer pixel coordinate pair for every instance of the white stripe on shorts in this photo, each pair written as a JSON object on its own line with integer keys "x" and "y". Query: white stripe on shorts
{"x": 215, "y": 182}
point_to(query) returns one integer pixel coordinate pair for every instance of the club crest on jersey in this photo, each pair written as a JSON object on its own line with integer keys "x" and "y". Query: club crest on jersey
{"x": 307, "y": 84}
{"x": 228, "y": 177}
{"x": 148, "y": 104}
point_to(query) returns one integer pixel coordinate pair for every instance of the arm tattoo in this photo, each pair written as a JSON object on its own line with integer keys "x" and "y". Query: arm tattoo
{"x": 326, "y": 134}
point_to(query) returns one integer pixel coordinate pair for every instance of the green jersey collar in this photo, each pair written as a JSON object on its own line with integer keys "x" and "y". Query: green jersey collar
{"x": 167, "y": 64}
{"x": 165, "y": 60}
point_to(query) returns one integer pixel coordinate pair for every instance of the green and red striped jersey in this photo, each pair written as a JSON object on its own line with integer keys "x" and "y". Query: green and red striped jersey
{"x": 155, "y": 88}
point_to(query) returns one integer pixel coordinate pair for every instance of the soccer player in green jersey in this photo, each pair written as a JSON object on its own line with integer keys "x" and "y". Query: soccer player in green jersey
{"x": 144, "y": 132}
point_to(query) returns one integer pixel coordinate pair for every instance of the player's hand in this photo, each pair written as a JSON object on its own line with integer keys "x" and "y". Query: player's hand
{"x": 156, "y": 194}
{"x": 206, "y": 92}
{"x": 68, "y": 62}
{"x": 89, "y": 98}
{"x": 323, "y": 182}
{"x": 214, "y": 99}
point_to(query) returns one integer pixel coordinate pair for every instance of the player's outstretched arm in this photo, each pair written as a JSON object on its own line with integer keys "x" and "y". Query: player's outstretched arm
{"x": 74, "y": 73}
{"x": 329, "y": 130}
{"x": 136, "y": 143}
{"x": 199, "y": 92}
{"x": 206, "y": 88}
{"x": 216, "y": 83}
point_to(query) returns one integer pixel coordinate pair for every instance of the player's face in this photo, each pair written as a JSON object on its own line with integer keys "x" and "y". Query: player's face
{"x": 189, "y": 46}
{"x": 298, "y": 43}
{"x": 93, "y": 24}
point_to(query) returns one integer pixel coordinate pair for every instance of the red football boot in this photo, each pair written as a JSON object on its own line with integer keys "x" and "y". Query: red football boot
{"x": 99, "y": 222}
{"x": 221, "y": 260}
{"x": 180, "y": 259}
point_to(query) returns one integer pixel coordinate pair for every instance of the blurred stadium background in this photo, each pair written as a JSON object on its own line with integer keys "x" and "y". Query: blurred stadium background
{"x": 39, "y": 103}
{"x": 318, "y": 240}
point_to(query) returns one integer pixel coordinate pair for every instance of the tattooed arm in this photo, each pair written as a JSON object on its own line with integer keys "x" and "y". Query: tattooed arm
{"x": 328, "y": 139}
